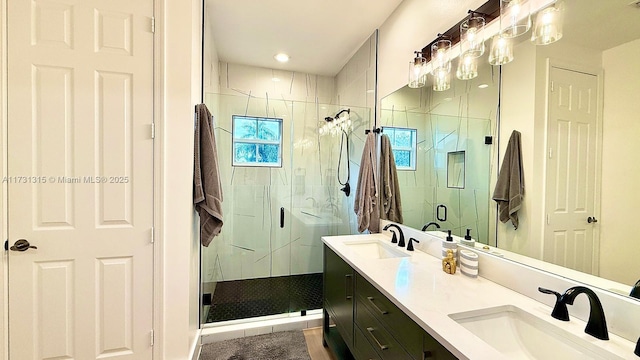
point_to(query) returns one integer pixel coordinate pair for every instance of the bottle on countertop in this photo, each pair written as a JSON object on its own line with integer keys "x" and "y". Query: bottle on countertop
{"x": 449, "y": 244}
{"x": 468, "y": 240}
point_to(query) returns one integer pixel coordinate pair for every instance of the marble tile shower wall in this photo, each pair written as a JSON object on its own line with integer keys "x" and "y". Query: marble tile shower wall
{"x": 252, "y": 244}
{"x": 454, "y": 120}
{"x": 425, "y": 188}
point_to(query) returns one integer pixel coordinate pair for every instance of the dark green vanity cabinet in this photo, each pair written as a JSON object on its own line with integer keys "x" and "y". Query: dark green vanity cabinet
{"x": 338, "y": 304}
{"x": 361, "y": 323}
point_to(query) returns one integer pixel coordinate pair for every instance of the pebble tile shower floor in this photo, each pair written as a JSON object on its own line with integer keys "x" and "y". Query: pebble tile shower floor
{"x": 241, "y": 299}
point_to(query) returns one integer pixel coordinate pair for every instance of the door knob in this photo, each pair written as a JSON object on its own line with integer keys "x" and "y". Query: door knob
{"x": 22, "y": 245}
{"x": 592, "y": 219}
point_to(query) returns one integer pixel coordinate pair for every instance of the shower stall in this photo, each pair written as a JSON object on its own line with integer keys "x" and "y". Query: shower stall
{"x": 281, "y": 187}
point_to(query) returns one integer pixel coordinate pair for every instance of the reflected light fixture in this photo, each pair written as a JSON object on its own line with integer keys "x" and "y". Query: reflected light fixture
{"x": 472, "y": 35}
{"x": 467, "y": 67}
{"x": 440, "y": 55}
{"x": 417, "y": 71}
{"x": 501, "y": 50}
{"x": 281, "y": 57}
{"x": 515, "y": 17}
{"x": 441, "y": 80}
{"x": 547, "y": 28}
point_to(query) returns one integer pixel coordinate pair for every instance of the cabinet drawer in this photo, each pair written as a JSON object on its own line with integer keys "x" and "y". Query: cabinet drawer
{"x": 405, "y": 330}
{"x": 386, "y": 346}
{"x": 363, "y": 350}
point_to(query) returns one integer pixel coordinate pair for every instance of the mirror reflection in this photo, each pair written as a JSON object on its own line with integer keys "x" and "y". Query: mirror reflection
{"x": 450, "y": 182}
{"x": 575, "y": 102}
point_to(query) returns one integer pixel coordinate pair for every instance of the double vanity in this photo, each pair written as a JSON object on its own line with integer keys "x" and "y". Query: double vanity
{"x": 384, "y": 302}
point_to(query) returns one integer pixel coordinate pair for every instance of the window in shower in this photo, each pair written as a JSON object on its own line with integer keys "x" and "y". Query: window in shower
{"x": 257, "y": 141}
{"x": 403, "y": 144}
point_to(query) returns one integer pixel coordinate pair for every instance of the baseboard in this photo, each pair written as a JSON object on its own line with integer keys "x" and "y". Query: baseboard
{"x": 259, "y": 326}
{"x": 196, "y": 346}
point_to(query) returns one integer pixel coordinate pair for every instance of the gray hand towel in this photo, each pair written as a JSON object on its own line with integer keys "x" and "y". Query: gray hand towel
{"x": 509, "y": 189}
{"x": 207, "y": 189}
{"x": 366, "y": 202}
{"x": 391, "y": 204}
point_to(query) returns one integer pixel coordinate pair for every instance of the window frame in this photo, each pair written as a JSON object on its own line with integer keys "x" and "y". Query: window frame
{"x": 256, "y": 141}
{"x": 413, "y": 150}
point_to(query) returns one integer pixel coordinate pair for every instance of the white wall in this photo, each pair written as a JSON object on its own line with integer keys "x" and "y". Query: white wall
{"x": 4, "y": 351}
{"x": 620, "y": 172}
{"x": 179, "y": 27}
{"x": 238, "y": 79}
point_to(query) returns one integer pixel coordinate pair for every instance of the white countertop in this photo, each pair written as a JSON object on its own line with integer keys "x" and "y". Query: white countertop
{"x": 419, "y": 287}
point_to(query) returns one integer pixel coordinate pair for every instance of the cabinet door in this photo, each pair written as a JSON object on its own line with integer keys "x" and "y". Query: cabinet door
{"x": 338, "y": 293}
{"x": 433, "y": 350}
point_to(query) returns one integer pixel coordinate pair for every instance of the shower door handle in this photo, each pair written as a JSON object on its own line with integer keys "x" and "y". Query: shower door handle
{"x": 281, "y": 218}
{"x": 444, "y": 218}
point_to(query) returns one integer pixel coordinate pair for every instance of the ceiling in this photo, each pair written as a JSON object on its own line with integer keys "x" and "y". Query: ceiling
{"x": 319, "y": 35}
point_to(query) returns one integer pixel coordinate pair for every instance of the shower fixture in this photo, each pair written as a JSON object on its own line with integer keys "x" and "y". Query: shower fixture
{"x": 343, "y": 124}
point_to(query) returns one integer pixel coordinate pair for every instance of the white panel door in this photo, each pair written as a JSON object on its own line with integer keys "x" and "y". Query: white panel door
{"x": 80, "y": 103}
{"x": 570, "y": 239}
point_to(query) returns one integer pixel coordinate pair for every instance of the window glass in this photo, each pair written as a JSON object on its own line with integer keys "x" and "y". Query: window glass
{"x": 257, "y": 141}
{"x": 403, "y": 144}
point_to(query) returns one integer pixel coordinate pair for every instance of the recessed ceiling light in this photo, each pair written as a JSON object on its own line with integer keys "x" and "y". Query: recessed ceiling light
{"x": 275, "y": 79}
{"x": 281, "y": 57}
{"x": 370, "y": 91}
{"x": 447, "y": 99}
{"x": 483, "y": 86}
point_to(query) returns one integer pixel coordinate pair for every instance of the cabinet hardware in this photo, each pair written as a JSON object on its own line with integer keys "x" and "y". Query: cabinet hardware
{"x": 347, "y": 286}
{"x": 382, "y": 347}
{"x": 383, "y": 312}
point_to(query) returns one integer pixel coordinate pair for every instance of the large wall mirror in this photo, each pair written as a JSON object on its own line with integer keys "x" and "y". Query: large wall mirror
{"x": 575, "y": 102}
{"x": 450, "y": 182}
{"x": 576, "y": 105}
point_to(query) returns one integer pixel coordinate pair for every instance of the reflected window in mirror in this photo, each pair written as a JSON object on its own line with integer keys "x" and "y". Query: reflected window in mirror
{"x": 403, "y": 144}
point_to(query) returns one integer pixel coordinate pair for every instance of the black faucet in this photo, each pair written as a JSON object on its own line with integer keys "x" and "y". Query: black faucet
{"x": 596, "y": 325}
{"x": 410, "y": 244}
{"x": 394, "y": 239}
{"x": 635, "y": 291}
{"x": 429, "y": 224}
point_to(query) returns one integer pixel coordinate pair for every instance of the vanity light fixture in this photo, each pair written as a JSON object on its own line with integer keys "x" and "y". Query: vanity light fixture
{"x": 501, "y": 50}
{"x": 441, "y": 55}
{"x": 467, "y": 67}
{"x": 417, "y": 71}
{"x": 548, "y": 25}
{"x": 515, "y": 17}
{"x": 472, "y": 35}
{"x": 441, "y": 80}
{"x": 281, "y": 57}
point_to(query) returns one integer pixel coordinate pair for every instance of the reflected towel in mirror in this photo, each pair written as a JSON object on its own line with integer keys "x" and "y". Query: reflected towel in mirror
{"x": 509, "y": 189}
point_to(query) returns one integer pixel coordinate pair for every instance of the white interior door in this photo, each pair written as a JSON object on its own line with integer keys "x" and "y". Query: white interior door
{"x": 80, "y": 166}
{"x": 570, "y": 239}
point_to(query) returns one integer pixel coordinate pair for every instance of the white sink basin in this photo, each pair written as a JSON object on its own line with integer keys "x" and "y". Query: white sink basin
{"x": 520, "y": 335}
{"x": 375, "y": 249}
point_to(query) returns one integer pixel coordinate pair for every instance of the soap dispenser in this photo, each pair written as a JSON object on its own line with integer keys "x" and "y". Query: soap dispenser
{"x": 449, "y": 244}
{"x": 468, "y": 240}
